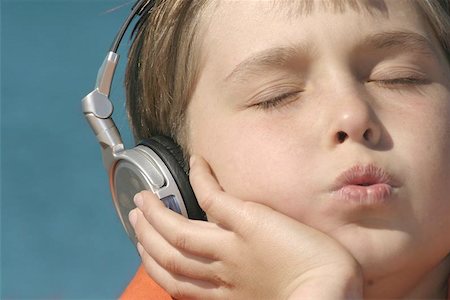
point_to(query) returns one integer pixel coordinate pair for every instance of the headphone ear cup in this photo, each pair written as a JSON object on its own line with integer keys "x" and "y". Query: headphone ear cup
{"x": 172, "y": 156}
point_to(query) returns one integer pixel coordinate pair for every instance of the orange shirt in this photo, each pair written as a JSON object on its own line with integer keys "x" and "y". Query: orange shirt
{"x": 143, "y": 287}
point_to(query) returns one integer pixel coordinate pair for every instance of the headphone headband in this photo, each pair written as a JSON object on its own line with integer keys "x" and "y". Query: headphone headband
{"x": 96, "y": 106}
{"x": 139, "y": 8}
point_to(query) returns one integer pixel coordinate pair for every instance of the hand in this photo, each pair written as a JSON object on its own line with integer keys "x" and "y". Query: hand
{"x": 250, "y": 252}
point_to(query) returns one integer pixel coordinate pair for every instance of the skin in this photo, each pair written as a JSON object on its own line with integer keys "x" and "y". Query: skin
{"x": 340, "y": 102}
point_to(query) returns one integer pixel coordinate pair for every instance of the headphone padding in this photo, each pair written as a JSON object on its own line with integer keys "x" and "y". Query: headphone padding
{"x": 172, "y": 156}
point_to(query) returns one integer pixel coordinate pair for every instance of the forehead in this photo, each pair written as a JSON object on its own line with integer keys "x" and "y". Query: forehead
{"x": 236, "y": 29}
{"x": 228, "y": 15}
{"x": 293, "y": 9}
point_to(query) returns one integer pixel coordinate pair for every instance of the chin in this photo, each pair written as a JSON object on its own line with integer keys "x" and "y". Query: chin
{"x": 380, "y": 252}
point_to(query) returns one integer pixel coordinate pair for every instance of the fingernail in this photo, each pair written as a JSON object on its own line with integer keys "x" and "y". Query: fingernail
{"x": 139, "y": 248}
{"x": 132, "y": 216}
{"x": 138, "y": 200}
{"x": 192, "y": 160}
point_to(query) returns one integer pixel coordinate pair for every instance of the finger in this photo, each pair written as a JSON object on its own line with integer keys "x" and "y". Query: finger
{"x": 170, "y": 258}
{"x": 199, "y": 238}
{"x": 223, "y": 208}
{"x": 178, "y": 286}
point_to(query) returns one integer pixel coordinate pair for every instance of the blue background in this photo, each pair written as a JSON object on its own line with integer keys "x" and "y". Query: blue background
{"x": 60, "y": 237}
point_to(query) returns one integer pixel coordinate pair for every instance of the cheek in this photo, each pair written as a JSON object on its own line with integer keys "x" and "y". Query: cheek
{"x": 258, "y": 161}
{"x": 428, "y": 142}
{"x": 424, "y": 154}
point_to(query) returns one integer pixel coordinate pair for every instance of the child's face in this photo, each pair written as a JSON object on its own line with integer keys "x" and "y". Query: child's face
{"x": 287, "y": 102}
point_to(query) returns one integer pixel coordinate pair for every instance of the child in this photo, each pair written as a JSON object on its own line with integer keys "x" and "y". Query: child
{"x": 319, "y": 138}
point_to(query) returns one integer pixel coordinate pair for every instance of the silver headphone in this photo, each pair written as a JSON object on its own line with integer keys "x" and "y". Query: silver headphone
{"x": 155, "y": 164}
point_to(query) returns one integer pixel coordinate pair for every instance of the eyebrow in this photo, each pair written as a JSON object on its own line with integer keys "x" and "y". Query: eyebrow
{"x": 285, "y": 56}
{"x": 269, "y": 58}
{"x": 402, "y": 40}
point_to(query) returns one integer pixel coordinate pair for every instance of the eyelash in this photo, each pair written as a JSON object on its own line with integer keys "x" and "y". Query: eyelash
{"x": 276, "y": 101}
{"x": 401, "y": 82}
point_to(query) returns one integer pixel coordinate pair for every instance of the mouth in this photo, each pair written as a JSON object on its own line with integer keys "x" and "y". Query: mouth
{"x": 364, "y": 185}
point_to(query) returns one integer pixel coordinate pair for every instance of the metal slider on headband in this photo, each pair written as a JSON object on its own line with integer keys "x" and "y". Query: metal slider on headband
{"x": 98, "y": 109}
{"x": 97, "y": 102}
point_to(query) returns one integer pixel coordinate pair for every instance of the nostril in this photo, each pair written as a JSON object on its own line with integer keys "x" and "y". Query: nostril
{"x": 341, "y": 136}
{"x": 367, "y": 134}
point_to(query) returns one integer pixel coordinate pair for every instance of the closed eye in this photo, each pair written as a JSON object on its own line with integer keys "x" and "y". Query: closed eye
{"x": 277, "y": 101}
{"x": 400, "y": 81}
{"x": 404, "y": 82}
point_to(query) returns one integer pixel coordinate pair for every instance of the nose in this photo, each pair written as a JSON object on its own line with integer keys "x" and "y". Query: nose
{"x": 355, "y": 120}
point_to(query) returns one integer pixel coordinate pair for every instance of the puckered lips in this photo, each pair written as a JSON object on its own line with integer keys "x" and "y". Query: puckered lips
{"x": 365, "y": 185}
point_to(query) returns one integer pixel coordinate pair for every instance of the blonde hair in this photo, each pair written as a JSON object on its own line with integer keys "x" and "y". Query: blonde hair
{"x": 437, "y": 13}
{"x": 162, "y": 68}
{"x": 163, "y": 63}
